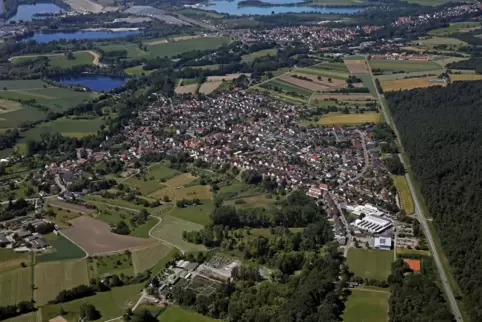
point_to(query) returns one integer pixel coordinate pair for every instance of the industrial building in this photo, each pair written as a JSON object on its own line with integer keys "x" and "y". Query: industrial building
{"x": 383, "y": 243}
{"x": 373, "y": 224}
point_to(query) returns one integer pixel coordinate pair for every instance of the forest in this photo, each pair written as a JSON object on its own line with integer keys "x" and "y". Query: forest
{"x": 440, "y": 130}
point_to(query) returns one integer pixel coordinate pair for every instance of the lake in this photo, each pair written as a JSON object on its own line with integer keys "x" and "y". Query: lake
{"x": 80, "y": 35}
{"x": 231, "y": 7}
{"x": 27, "y": 12}
{"x": 94, "y": 82}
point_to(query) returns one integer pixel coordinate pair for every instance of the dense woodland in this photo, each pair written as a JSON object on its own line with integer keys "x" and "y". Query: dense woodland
{"x": 442, "y": 134}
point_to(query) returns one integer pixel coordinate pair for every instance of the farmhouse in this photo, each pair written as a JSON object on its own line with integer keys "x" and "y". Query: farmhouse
{"x": 373, "y": 224}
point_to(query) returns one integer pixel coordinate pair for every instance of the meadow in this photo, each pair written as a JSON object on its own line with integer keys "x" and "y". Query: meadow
{"x": 169, "y": 49}
{"x": 369, "y": 263}
{"x": 11, "y": 260}
{"x": 53, "y": 277}
{"x": 259, "y": 201}
{"x": 62, "y": 217}
{"x": 286, "y": 87}
{"x": 455, "y": 27}
{"x": 58, "y": 60}
{"x": 404, "y": 194}
{"x": 153, "y": 179}
{"x": 29, "y": 317}
{"x": 170, "y": 230}
{"x": 77, "y": 128}
{"x": 409, "y": 83}
{"x": 330, "y": 70}
{"x": 261, "y": 53}
{"x": 111, "y": 264}
{"x": 342, "y": 119}
{"x": 137, "y": 71}
{"x": 465, "y": 77}
{"x": 176, "y": 313}
{"x": 390, "y": 66}
{"x": 63, "y": 249}
{"x": 148, "y": 257}
{"x": 16, "y": 286}
{"x": 366, "y": 305}
{"x": 198, "y": 214}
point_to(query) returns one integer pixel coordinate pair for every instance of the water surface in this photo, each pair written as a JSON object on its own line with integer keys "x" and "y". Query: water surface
{"x": 94, "y": 82}
{"x": 26, "y": 12}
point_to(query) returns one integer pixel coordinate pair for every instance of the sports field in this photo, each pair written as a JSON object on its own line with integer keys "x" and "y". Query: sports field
{"x": 265, "y": 52}
{"x": 404, "y": 194}
{"x": 370, "y": 263}
{"x": 58, "y": 60}
{"x": 389, "y": 66}
{"x": 366, "y": 305}
{"x": 16, "y": 286}
{"x": 344, "y": 119}
{"x": 409, "y": 83}
{"x": 53, "y": 277}
{"x": 147, "y": 257}
{"x": 171, "y": 230}
{"x": 162, "y": 49}
{"x": 176, "y": 313}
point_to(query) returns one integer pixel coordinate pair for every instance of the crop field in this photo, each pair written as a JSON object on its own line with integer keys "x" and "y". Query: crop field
{"x": 238, "y": 190}
{"x": 10, "y": 259}
{"x": 111, "y": 304}
{"x": 7, "y": 106}
{"x": 389, "y": 66}
{"x": 152, "y": 181}
{"x": 286, "y": 87}
{"x": 112, "y": 264}
{"x": 464, "y": 26}
{"x": 168, "y": 49}
{"x": 226, "y": 77}
{"x": 137, "y": 71}
{"x": 368, "y": 263}
{"x": 319, "y": 70}
{"x": 95, "y": 237}
{"x": 198, "y": 214}
{"x": 171, "y": 230}
{"x": 176, "y": 313}
{"x": 465, "y": 77}
{"x": 404, "y": 194}
{"x": 199, "y": 192}
{"x": 209, "y": 87}
{"x": 63, "y": 249}
{"x": 53, "y": 277}
{"x": 147, "y": 257}
{"x": 314, "y": 84}
{"x": 207, "y": 67}
{"x": 434, "y": 41}
{"x": 16, "y": 286}
{"x": 180, "y": 180}
{"x": 184, "y": 89}
{"x": 344, "y": 119}
{"x": 344, "y": 97}
{"x": 366, "y": 305}
{"x": 265, "y": 52}
{"x": 356, "y": 66}
{"x": 58, "y": 60}
{"x": 409, "y": 83}
{"x": 77, "y": 128}
{"x": 29, "y": 317}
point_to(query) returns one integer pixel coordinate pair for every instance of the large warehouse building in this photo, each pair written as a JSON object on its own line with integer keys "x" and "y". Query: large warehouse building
{"x": 373, "y": 224}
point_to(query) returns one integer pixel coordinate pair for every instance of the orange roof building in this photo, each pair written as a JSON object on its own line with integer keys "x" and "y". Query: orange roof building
{"x": 414, "y": 264}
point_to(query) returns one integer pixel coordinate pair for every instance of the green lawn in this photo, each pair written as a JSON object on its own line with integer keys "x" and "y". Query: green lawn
{"x": 370, "y": 263}
{"x": 60, "y": 61}
{"x": 16, "y": 286}
{"x": 265, "y": 52}
{"x": 63, "y": 249}
{"x": 389, "y": 66}
{"x": 366, "y": 305}
{"x": 175, "y": 313}
{"x": 112, "y": 264}
{"x": 171, "y": 230}
{"x": 148, "y": 257}
{"x": 111, "y": 304}
{"x": 197, "y": 214}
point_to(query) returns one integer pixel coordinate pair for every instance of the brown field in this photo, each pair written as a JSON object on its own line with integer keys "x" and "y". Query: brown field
{"x": 180, "y": 180}
{"x": 95, "y": 237}
{"x": 209, "y": 87}
{"x": 465, "y": 77}
{"x": 226, "y": 77}
{"x": 9, "y": 106}
{"x": 344, "y": 97}
{"x": 70, "y": 206}
{"x": 356, "y": 66}
{"x": 315, "y": 84}
{"x": 347, "y": 119}
{"x": 408, "y": 83}
{"x": 199, "y": 192}
{"x": 184, "y": 89}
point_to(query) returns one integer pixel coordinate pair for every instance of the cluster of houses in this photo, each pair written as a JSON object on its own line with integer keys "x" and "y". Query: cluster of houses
{"x": 19, "y": 235}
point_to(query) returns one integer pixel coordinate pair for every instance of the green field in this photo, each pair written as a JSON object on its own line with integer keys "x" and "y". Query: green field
{"x": 62, "y": 217}
{"x": 53, "y": 277}
{"x": 454, "y": 27}
{"x": 366, "y": 305}
{"x": 171, "y": 230}
{"x": 238, "y": 190}
{"x": 63, "y": 249}
{"x": 11, "y": 260}
{"x": 16, "y": 286}
{"x": 29, "y": 317}
{"x": 320, "y": 70}
{"x": 206, "y": 67}
{"x": 148, "y": 257}
{"x": 252, "y": 56}
{"x": 111, "y": 264}
{"x": 111, "y": 304}
{"x": 137, "y": 71}
{"x": 404, "y": 194}
{"x": 369, "y": 263}
{"x": 77, "y": 128}
{"x": 197, "y": 214}
{"x": 161, "y": 264}
{"x": 175, "y": 313}
{"x": 389, "y": 66}
{"x": 286, "y": 87}
{"x": 168, "y": 49}
{"x": 429, "y": 2}
{"x": 152, "y": 181}
{"x": 59, "y": 60}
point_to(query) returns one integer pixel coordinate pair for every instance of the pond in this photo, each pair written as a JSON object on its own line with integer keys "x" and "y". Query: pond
{"x": 80, "y": 35}
{"x": 27, "y": 12}
{"x": 232, "y": 8}
{"x": 94, "y": 82}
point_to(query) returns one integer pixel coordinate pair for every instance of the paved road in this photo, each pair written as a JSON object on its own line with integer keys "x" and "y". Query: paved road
{"x": 420, "y": 215}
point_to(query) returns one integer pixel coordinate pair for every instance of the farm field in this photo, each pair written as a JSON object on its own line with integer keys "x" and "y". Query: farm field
{"x": 137, "y": 71}
{"x": 226, "y": 77}
{"x": 415, "y": 252}
{"x": 209, "y": 87}
{"x": 464, "y": 26}
{"x": 259, "y": 201}
{"x": 320, "y": 70}
{"x": 366, "y": 305}
{"x": 191, "y": 192}
{"x": 434, "y": 41}
{"x": 29, "y": 317}
{"x": 408, "y": 83}
{"x": 176, "y": 313}
{"x": 252, "y": 56}
{"x": 111, "y": 304}
{"x": 16, "y": 286}
{"x": 10, "y": 260}
{"x": 198, "y": 214}
{"x": 465, "y": 77}
{"x": 77, "y": 128}
{"x": 314, "y": 84}
{"x": 53, "y": 277}
{"x": 169, "y": 49}
{"x": 152, "y": 181}
{"x": 95, "y": 237}
{"x": 112, "y": 264}
{"x": 63, "y": 249}
{"x": 161, "y": 264}
{"x": 58, "y": 60}
{"x": 147, "y": 257}
{"x": 207, "y": 67}
{"x": 171, "y": 230}
{"x": 280, "y": 85}
{"x": 389, "y": 66}
{"x": 238, "y": 190}
{"x": 342, "y": 119}
{"x": 404, "y": 194}
{"x": 369, "y": 263}
{"x": 356, "y": 66}
{"x": 344, "y": 97}
{"x": 184, "y": 89}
